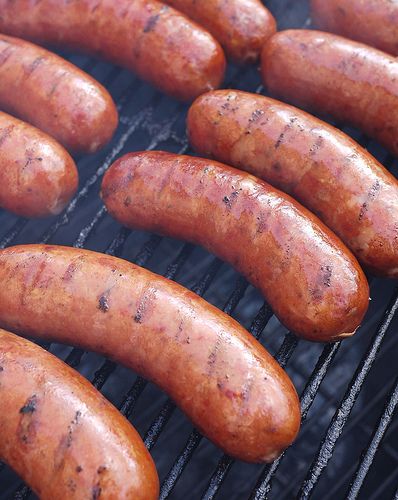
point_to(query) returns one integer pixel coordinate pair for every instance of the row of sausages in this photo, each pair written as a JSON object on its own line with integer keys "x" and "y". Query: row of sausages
{"x": 225, "y": 381}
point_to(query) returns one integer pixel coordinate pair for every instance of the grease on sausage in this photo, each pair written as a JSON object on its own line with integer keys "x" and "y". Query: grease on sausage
{"x": 147, "y": 37}
{"x": 54, "y": 95}
{"x": 334, "y": 76}
{"x": 314, "y": 162}
{"x": 37, "y": 176}
{"x": 61, "y": 435}
{"x": 220, "y": 376}
{"x": 309, "y": 278}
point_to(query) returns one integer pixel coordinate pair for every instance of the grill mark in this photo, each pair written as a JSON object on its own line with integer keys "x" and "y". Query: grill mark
{"x": 96, "y": 492}
{"x": 56, "y": 84}
{"x": 323, "y": 282}
{"x": 245, "y": 395}
{"x": 372, "y": 194}
{"x": 153, "y": 20}
{"x": 316, "y": 146}
{"x": 29, "y": 406}
{"x": 34, "y": 65}
{"x": 256, "y": 115}
{"x": 6, "y": 53}
{"x": 70, "y": 271}
{"x": 212, "y": 358}
{"x": 144, "y": 304}
{"x": 230, "y": 200}
{"x": 66, "y": 442}
{"x": 6, "y": 133}
{"x": 282, "y": 135}
{"x": 103, "y": 301}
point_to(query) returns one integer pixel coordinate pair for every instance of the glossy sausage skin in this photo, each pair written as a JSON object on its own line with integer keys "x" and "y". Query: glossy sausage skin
{"x": 374, "y": 22}
{"x": 61, "y": 435}
{"x": 37, "y": 175}
{"x": 241, "y": 26}
{"x": 55, "y": 96}
{"x": 311, "y": 281}
{"x": 314, "y": 162}
{"x": 334, "y": 76}
{"x": 147, "y": 37}
{"x": 220, "y": 376}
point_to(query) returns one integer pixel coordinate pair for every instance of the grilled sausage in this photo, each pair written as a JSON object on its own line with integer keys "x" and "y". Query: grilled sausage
{"x": 334, "y": 76}
{"x": 241, "y": 26}
{"x": 55, "y": 96}
{"x": 145, "y": 36}
{"x": 37, "y": 176}
{"x": 61, "y": 435}
{"x": 374, "y": 22}
{"x": 311, "y": 281}
{"x": 314, "y": 162}
{"x": 220, "y": 376}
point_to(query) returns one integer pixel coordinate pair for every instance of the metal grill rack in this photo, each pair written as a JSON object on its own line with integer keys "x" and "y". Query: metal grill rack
{"x": 349, "y": 391}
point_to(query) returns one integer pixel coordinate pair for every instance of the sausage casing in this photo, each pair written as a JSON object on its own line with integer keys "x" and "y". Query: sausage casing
{"x": 374, "y": 22}
{"x": 37, "y": 176}
{"x": 147, "y": 37}
{"x": 334, "y": 76}
{"x": 314, "y": 162}
{"x": 61, "y": 435}
{"x": 220, "y": 376}
{"x": 312, "y": 282}
{"x": 54, "y": 95}
{"x": 241, "y": 26}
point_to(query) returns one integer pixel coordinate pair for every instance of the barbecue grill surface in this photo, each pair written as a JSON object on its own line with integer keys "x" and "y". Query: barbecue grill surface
{"x": 344, "y": 388}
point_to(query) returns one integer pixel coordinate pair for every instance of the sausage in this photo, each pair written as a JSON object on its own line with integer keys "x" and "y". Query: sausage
{"x": 374, "y": 22}
{"x": 54, "y": 95}
{"x": 147, "y": 37}
{"x": 241, "y": 26}
{"x": 314, "y": 162}
{"x": 333, "y": 76}
{"x": 61, "y": 435}
{"x": 37, "y": 176}
{"x": 221, "y": 377}
{"x": 311, "y": 281}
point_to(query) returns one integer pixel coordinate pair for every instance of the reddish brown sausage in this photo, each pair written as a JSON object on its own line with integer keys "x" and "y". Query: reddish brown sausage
{"x": 37, "y": 176}
{"x": 334, "y": 76}
{"x": 309, "y": 278}
{"x": 55, "y": 96}
{"x": 241, "y": 26}
{"x": 61, "y": 435}
{"x": 314, "y": 162}
{"x": 153, "y": 40}
{"x": 220, "y": 376}
{"x": 374, "y": 22}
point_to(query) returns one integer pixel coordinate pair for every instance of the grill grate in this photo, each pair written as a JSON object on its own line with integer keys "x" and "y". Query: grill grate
{"x": 343, "y": 386}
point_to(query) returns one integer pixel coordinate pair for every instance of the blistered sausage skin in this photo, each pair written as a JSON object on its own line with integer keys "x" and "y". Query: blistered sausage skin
{"x": 219, "y": 375}
{"x": 241, "y": 26}
{"x": 37, "y": 176}
{"x": 333, "y": 76}
{"x": 54, "y": 95}
{"x": 147, "y": 37}
{"x": 62, "y": 436}
{"x": 374, "y": 22}
{"x": 309, "y": 278}
{"x": 316, "y": 163}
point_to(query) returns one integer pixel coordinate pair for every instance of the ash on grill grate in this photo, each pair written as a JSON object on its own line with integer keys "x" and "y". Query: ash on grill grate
{"x": 343, "y": 388}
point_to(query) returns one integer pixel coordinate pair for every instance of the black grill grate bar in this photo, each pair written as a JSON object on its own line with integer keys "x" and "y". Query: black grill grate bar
{"x": 87, "y": 230}
{"x": 263, "y": 486}
{"x": 342, "y": 414}
{"x": 374, "y": 443}
{"x": 10, "y": 236}
{"x": 22, "y": 492}
{"x": 283, "y": 355}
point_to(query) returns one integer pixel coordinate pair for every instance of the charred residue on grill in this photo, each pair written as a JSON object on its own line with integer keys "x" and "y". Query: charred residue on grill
{"x": 144, "y": 304}
{"x": 30, "y": 405}
{"x": 373, "y": 192}
{"x": 103, "y": 302}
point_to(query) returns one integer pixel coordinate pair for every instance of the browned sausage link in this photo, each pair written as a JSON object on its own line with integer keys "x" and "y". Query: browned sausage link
{"x": 153, "y": 40}
{"x": 374, "y": 22}
{"x": 61, "y": 435}
{"x": 55, "y": 96}
{"x": 309, "y": 278}
{"x": 37, "y": 175}
{"x": 314, "y": 162}
{"x": 334, "y": 76}
{"x": 241, "y": 26}
{"x": 221, "y": 377}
